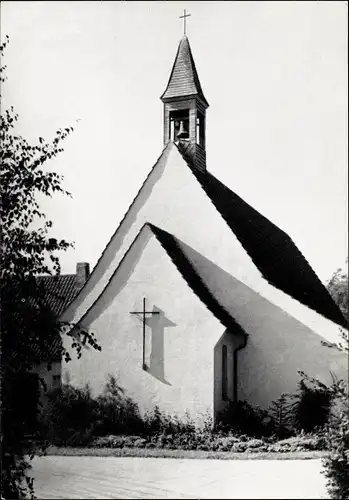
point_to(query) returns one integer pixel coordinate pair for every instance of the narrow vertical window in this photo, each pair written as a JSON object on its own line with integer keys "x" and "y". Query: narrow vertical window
{"x": 171, "y": 131}
{"x": 224, "y": 373}
{"x": 198, "y": 131}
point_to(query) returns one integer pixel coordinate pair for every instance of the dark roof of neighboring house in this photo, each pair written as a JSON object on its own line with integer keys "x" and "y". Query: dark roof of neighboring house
{"x": 56, "y": 293}
{"x": 184, "y": 80}
{"x": 59, "y": 291}
{"x": 271, "y": 249}
{"x": 193, "y": 279}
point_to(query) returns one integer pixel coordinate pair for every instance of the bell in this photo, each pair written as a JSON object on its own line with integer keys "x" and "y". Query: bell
{"x": 182, "y": 134}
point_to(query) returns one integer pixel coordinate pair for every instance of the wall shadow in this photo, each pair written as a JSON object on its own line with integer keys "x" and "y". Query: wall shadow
{"x": 157, "y": 324}
{"x": 279, "y": 345}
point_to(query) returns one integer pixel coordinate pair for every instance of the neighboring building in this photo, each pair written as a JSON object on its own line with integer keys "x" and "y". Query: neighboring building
{"x": 234, "y": 309}
{"x": 59, "y": 292}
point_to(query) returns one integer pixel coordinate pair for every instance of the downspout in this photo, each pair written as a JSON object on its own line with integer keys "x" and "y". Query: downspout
{"x": 235, "y": 361}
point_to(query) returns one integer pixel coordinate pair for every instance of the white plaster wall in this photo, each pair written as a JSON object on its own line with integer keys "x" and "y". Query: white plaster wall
{"x": 278, "y": 344}
{"x": 172, "y": 199}
{"x": 185, "y": 381}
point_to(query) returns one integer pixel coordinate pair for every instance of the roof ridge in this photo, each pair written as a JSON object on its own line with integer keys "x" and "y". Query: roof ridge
{"x": 275, "y": 254}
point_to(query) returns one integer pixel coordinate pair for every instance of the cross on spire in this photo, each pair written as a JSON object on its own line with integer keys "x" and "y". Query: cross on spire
{"x": 184, "y": 17}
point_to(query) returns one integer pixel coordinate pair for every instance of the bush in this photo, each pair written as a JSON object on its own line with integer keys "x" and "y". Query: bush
{"x": 336, "y": 464}
{"x": 69, "y": 416}
{"x": 302, "y": 442}
{"x": 156, "y": 422}
{"x": 312, "y": 407}
{"x": 112, "y": 420}
{"x": 281, "y": 413}
{"x": 73, "y": 418}
{"x": 242, "y": 418}
{"x": 116, "y": 412}
{"x": 213, "y": 442}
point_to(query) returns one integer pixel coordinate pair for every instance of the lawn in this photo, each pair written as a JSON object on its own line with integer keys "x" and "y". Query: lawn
{"x": 180, "y": 454}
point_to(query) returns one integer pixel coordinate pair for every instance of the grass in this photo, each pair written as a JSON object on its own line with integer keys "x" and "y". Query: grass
{"x": 164, "y": 453}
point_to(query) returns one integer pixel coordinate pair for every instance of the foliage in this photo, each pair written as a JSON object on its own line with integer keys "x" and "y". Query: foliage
{"x": 70, "y": 416}
{"x": 281, "y": 414}
{"x": 241, "y": 417}
{"x": 214, "y": 441}
{"x": 301, "y": 442}
{"x": 338, "y": 288}
{"x": 73, "y": 417}
{"x": 336, "y": 434}
{"x": 117, "y": 413}
{"x": 312, "y": 407}
{"x": 30, "y": 331}
{"x": 336, "y": 464}
{"x": 112, "y": 420}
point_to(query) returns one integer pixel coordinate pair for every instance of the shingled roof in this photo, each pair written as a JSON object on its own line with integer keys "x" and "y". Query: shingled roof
{"x": 193, "y": 279}
{"x": 184, "y": 80}
{"x": 272, "y": 251}
{"x": 172, "y": 247}
{"x": 59, "y": 291}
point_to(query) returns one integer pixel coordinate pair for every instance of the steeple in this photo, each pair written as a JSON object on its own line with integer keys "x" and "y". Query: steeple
{"x": 185, "y": 108}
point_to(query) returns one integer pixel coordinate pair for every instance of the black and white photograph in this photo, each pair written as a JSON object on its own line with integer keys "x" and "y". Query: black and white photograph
{"x": 174, "y": 249}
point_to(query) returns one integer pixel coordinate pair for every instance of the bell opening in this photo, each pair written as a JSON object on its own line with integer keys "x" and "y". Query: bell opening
{"x": 179, "y": 125}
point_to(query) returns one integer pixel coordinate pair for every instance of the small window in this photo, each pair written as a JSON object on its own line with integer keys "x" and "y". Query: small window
{"x": 224, "y": 373}
{"x": 56, "y": 381}
{"x": 200, "y": 130}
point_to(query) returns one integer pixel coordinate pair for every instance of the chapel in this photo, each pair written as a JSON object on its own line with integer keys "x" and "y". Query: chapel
{"x": 198, "y": 299}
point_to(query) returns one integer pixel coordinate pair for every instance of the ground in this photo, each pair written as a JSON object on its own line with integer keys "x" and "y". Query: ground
{"x": 128, "y": 477}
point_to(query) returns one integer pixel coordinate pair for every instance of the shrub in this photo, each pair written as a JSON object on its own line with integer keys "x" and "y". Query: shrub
{"x": 281, "y": 413}
{"x": 70, "y": 416}
{"x": 302, "y": 442}
{"x": 156, "y": 422}
{"x": 116, "y": 412}
{"x": 312, "y": 407}
{"x": 241, "y": 417}
{"x": 336, "y": 464}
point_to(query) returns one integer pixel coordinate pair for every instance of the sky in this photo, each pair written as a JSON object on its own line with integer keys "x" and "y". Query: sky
{"x": 274, "y": 74}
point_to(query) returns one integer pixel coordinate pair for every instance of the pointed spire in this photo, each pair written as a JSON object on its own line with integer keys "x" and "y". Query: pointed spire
{"x": 184, "y": 80}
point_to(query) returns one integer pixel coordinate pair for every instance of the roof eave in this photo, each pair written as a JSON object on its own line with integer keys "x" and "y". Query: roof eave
{"x": 176, "y": 98}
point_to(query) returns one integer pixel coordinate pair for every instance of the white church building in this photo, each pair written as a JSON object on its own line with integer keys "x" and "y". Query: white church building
{"x": 198, "y": 299}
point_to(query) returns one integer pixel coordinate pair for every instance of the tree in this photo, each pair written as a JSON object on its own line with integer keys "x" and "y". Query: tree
{"x": 336, "y": 463}
{"x": 30, "y": 331}
{"x": 338, "y": 288}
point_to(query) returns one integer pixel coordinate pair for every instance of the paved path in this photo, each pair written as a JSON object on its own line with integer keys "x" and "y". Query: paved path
{"x": 127, "y": 477}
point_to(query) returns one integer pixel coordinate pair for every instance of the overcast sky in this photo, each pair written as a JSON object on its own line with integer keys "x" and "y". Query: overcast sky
{"x": 274, "y": 73}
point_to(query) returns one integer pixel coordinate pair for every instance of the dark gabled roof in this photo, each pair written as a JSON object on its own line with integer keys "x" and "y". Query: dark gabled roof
{"x": 59, "y": 291}
{"x": 173, "y": 248}
{"x": 271, "y": 249}
{"x": 184, "y": 80}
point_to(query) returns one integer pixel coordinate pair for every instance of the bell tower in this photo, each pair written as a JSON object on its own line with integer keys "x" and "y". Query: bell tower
{"x": 185, "y": 108}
